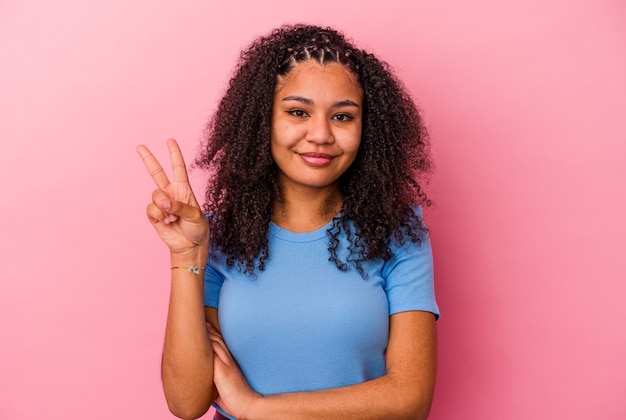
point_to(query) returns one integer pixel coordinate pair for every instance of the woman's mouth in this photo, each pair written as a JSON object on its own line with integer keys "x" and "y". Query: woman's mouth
{"x": 316, "y": 159}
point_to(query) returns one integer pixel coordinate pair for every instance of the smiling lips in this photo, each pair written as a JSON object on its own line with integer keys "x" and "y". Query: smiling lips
{"x": 316, "y": 159}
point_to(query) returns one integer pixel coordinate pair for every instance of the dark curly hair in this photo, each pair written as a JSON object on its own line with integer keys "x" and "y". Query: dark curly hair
{"x": 379, "y": 188}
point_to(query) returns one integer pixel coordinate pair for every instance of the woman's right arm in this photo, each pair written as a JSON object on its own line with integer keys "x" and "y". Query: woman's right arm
{"x": 187, "y": 365}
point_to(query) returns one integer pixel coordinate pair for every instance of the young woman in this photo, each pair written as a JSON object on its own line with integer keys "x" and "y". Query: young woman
{"x": 304, "y": 287}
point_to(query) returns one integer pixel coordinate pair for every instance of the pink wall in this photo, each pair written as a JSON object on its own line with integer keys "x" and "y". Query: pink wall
{"x": 527, "y": 113}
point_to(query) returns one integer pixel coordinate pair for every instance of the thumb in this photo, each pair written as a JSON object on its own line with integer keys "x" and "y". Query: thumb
{"x": 185, "y": 211}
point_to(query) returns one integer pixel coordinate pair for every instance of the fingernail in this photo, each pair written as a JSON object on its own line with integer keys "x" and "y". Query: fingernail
{"x": 172, "y": 217}
{"x": 165, "y": 204}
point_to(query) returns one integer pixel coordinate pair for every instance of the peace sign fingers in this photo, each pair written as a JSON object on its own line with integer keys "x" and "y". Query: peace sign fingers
{"x": 174, "y": 211}
{"x": 156, "y": 170}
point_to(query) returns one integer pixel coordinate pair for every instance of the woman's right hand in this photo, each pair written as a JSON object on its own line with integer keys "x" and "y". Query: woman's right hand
{"x": 174, "y": 211}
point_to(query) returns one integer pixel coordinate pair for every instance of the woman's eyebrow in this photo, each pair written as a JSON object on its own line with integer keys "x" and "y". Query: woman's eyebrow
{"x": 296, "y": 98}
{"x": 307, "y": 101}
{"x": 346, "y": 102}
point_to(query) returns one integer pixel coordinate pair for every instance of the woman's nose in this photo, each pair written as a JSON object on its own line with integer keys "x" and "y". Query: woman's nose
{"x": 320, "y": 130}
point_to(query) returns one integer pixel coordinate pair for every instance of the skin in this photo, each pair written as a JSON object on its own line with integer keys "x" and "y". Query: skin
{"x": 316, "y": 131}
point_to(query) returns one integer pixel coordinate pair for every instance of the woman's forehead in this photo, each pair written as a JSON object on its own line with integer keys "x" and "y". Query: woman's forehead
{"x": 305, "y": 73}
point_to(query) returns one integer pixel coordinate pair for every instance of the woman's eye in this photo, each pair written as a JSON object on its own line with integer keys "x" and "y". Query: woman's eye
{"x": 342, "y": 117}
{"x": 297, "y": 113}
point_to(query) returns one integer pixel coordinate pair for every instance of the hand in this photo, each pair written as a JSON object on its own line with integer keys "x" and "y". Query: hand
{"x": 174, "y": 211}
{"x": 235, "y": 395}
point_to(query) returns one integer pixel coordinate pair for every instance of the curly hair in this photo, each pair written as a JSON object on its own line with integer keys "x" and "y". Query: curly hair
{"x": 380, "y": 187}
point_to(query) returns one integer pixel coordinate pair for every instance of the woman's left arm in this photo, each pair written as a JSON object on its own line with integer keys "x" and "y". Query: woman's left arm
{"x": 404, "y": 392}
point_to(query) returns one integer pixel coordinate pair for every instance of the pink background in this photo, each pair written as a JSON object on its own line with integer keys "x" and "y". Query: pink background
{"x": 526, "y": 105}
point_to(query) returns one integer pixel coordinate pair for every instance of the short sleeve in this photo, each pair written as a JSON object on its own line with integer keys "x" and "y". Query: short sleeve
{"x": 409, "y": 278}
{"x": 213, "y": 280}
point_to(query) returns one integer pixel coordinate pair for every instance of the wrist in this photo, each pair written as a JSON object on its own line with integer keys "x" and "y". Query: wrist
{"x": 256, "y": 407}
{"x": 195, "y": 256}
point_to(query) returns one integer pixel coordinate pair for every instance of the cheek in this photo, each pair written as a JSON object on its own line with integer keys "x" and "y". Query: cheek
{"x": 275, "y": 149}
{"x": 354, "y": 150}
{"x": 355, "y": 144}
{"x": 276, "y": 139}
{"x": 285, "y": 134}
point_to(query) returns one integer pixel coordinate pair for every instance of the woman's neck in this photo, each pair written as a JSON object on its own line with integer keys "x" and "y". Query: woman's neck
{"x": 306, "y": 210}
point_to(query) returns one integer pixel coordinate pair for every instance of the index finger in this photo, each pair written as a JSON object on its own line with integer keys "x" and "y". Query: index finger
{"x": 153, "y": 166}
{"x": 178, "y": 162}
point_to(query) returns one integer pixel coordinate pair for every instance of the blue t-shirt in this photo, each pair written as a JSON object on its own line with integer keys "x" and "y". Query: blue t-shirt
{"x": 301, "y": 324}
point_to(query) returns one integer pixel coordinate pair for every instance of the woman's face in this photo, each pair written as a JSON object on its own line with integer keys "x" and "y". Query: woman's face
{"x": 316, "y": 124}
